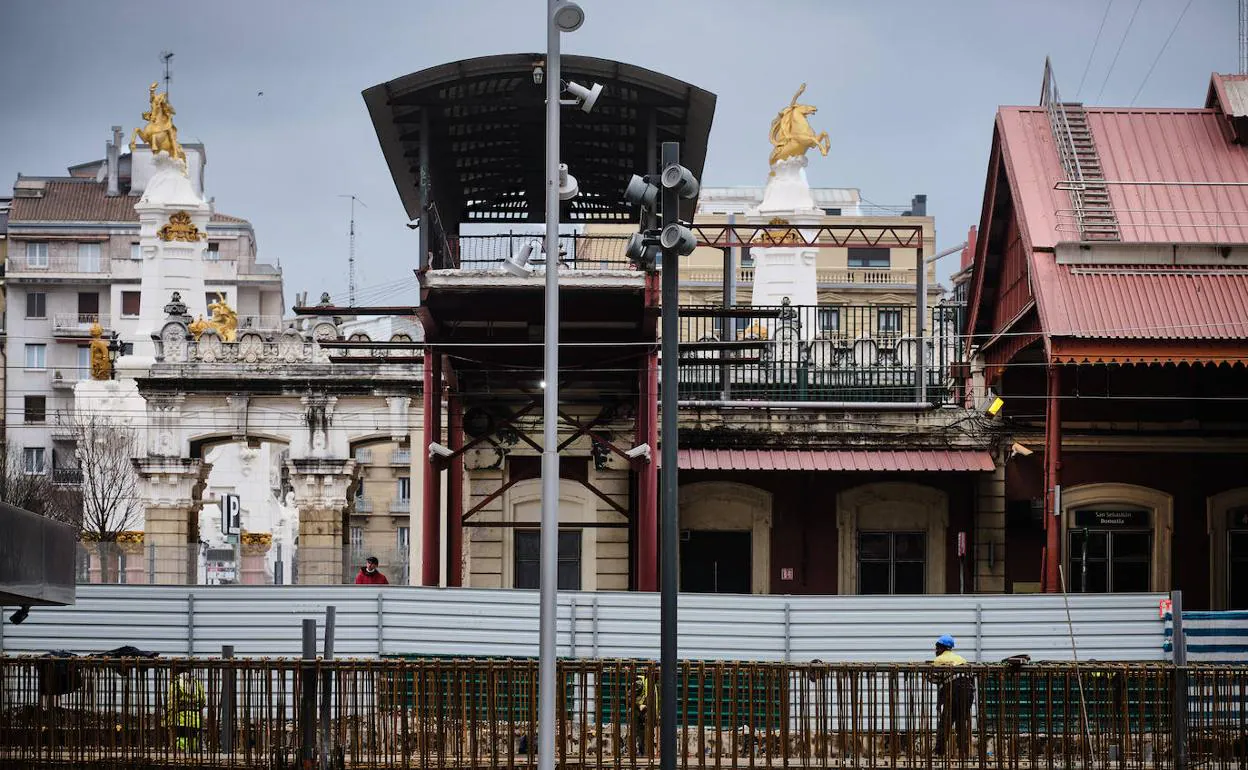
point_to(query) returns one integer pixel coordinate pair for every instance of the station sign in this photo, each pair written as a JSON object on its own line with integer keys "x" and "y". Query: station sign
{"x": 1096, "y": 518}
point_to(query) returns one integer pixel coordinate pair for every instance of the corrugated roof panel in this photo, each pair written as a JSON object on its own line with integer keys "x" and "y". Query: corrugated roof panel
{"x": 834, "y": 460}
{"x": 1142, "y": 302}
{"x": 1157, "y": 162}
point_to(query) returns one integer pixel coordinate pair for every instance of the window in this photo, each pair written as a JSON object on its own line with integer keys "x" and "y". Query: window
{"x": 36, "y": 304}
{"x": 34, "y": 461}
{"x": 213, "y": 254}
{"x": 88, "y": 257}
{"x": 36, "y": 356}
{"x": 403, "y": 541}
{"x": 889, "y": 321}
{"x": 36, "y": 408}
{"x": 88, "y": 307}
{"x": 404, "y": 488}
{"x": 210, "y": 298}
{"x": 357, "y": 537}
{"x": 868, "y": 257}
{"x": 1110, "y": 551}
{"x": 528, "y": 555}
{"x": 84, "y": 363}
{"x": 36, "y": 255}
{"x": 747, "y": 258}
{"x": 1237, "y": 564}
{"x": 829, "y": 319}
{"x": 832, "y": 212}
{"x": 891, "y": 562}
{"x": 136, "y": 251}
{"x": 130, "y": 304}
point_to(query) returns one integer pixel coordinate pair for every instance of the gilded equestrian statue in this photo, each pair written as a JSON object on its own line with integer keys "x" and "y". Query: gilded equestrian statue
{"x": 159, "y": 133}
{"x": 791, "y": 135}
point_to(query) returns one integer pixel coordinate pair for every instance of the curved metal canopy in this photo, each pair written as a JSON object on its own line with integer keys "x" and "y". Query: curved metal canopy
{"x": 479, "y": 127}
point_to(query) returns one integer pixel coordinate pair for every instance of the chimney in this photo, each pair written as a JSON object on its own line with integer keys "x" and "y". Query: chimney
{"x": 968, "y": 253}
{"x": 918, "y": 206}
{"x": 113, "y": 160}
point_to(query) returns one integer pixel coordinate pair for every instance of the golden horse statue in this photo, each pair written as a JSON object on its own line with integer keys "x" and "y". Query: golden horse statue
{"x": 159, "y": 133}
{"x": 791, "y": 135}
{"x": 224, "y": 321}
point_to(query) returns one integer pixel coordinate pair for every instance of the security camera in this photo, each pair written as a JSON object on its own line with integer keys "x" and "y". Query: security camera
{"x": 678, "y": 238}
{"x": 437, "y": 450}
{"x": 587, "y": 96}
{"x": 17, "y": 617}
{"x": 568, "y": 188}
{"x": 414, "y": 224}
{"x": 640, "y": 451}
{"x": 1020, "y": 450}
{"x": 681, "y": 179}
{"x": 641, "y": 192}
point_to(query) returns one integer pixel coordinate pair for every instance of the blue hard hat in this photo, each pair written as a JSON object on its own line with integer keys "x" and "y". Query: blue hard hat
{"x": 945, "y": 641}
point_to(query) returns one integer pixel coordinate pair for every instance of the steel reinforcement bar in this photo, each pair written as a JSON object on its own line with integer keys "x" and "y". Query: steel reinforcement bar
{"x": 458, "y": 713}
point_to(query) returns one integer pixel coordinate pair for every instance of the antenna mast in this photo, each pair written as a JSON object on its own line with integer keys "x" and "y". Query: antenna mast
{"x": 351, "y": 251}
{"x": 167, "y": 58}
{"x": 1243, "y": 37}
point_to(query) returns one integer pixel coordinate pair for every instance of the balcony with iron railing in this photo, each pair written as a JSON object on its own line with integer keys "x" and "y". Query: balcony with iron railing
{"x": 401, "y": 457}
{"x": 845, "y": 353}
{"x": 401, "y": 505}
{"x": 62, "y": 425}
{"x": 67, "y": 477}
{"x": 20, "y": 265}
{"x": 78, "y": 324}
{"x": 67, "y": 377}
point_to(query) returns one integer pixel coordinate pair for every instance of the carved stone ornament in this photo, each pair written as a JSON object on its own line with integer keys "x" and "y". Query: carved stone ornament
{"x": 778, "y": 237}
{"x": 180, "y": 228}
{"x": 177, "y": 308}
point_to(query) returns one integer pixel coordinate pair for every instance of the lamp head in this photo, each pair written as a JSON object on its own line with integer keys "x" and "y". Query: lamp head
{"x": 567, "y": 16}
{"x": 587, "y": 96}
{"x": 641, "y": 192}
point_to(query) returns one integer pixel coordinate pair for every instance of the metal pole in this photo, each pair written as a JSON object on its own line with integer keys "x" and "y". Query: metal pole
{"x": 227, "y": 701}
{"x": 307, "y": 697}
{"x": 331, "y": 613}
{"x": 669, "y": 527}
{"x": 920, "y": 306}
{"x": 550, "y": 415}
{"x": 1180, "y": 680}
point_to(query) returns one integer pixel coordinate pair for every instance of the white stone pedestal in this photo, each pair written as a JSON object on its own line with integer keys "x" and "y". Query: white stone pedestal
{"x": 786, "y": 271}
{"x": 171, "y": 263}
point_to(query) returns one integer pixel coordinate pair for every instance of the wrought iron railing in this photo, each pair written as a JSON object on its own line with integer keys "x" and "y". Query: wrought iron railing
{"x": 438, "y": 713}
{"x": 576, "y": 252}
{"x": 817, "y": 352}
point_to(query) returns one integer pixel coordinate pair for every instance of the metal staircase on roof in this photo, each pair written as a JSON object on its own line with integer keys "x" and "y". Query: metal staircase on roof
{"x": 1089, "y": 195}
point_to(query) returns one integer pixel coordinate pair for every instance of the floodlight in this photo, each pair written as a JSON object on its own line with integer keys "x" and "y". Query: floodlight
{"x": 568, "y": 188}
{"x": 677, "y": 177}
{"x": 679, "y": 239}
{"x": 587, "y": 96}
{"x": 992, "y": 404}
{"x": 518, "y": 265}
{"x": 567, "y": 16}
{"x": 638, "y": 251}
{"x": 641, "y": 192}
{"x": 1018, "y": 449}
{"x": 438, "y": 450}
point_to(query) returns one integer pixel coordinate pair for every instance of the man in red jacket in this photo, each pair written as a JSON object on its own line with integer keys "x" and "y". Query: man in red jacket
{"x": 370, "y": 575}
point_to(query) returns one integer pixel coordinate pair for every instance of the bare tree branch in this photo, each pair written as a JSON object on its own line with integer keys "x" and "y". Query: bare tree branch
{"x": 37, "y": 492}
{"x": 110, "y": 495}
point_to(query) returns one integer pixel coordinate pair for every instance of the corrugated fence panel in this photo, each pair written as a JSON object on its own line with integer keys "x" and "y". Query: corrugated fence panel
{"x": 265, "y": 621}
{"x": 1212, "y": 637}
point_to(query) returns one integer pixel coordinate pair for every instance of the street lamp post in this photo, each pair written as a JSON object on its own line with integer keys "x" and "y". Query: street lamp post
{"x": 561, "y": 16}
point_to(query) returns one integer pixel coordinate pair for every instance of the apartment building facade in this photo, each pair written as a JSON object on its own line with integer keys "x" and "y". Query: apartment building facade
{"x": 73, "y": 261}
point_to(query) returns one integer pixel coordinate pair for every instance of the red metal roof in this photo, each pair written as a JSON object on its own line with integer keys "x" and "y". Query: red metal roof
{"x": 1141, "y": 302}
{"x": 1182, "y": 147}
{"x": 833, "y": 460}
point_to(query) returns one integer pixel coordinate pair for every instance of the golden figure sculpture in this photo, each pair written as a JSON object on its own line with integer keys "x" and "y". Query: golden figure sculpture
{"x": 101, "y": 367}
{"x": 791, "y": 135}
{"x": 224, "y": 320}
{"x": 159, "y": 133}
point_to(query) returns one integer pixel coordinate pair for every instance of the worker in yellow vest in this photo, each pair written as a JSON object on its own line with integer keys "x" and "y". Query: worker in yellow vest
{"x": 955, "y": 694}
{"x": 645, "y": 712}
{"x": 185, "y": 711}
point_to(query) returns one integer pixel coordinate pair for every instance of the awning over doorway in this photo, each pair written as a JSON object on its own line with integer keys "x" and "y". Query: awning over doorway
{"x": 834, "y": 460}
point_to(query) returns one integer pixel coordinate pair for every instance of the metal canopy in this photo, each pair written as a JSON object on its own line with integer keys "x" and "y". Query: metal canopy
{"x": 485, "y": 126}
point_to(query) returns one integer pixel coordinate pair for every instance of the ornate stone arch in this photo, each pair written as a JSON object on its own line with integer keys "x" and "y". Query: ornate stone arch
{"x": 729, "y": 506}
{"x": 1160, "y": 504}
{"x": 1217, "y": 508}
{"x": 892, "y": 506}
{"x": 522, "y": 503}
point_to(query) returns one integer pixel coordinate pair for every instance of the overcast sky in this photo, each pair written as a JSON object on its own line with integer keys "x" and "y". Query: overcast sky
{"x": 906, "y": 89}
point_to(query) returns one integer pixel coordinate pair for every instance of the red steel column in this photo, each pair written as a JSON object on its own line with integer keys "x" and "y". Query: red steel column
{"x": 1052, "y": 480}
{"x": 648, "y": 482}
{"x": 431, "y": 513}
{"x": 455, "y": 496}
